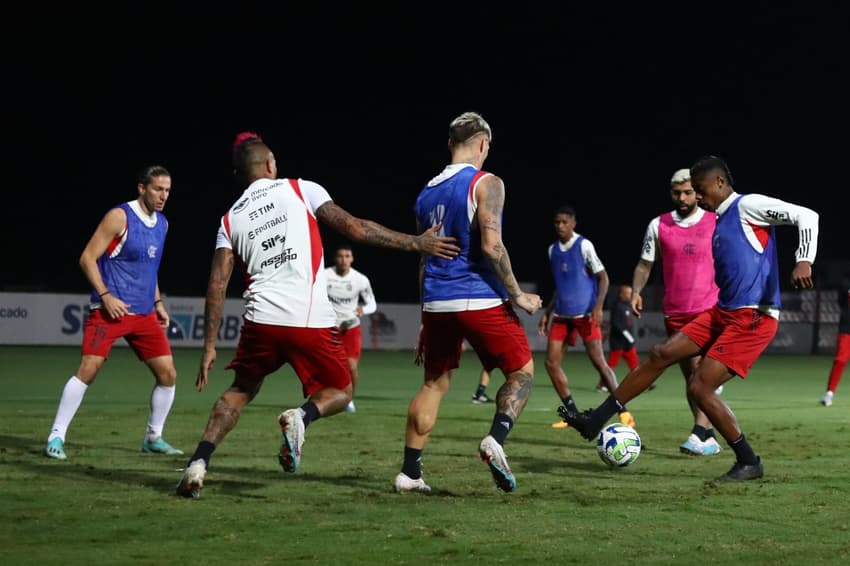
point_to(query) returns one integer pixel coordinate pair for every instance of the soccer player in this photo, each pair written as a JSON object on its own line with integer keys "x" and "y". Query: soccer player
{"x": 575, "y": 309}
{"x": 736, "y": 330}
{"x": 121, "y": 262}
{"x": 471, "y": 297}
{"x": 272, "y": 232}
{"x": 351, "y": 295}
{"x": 621, "y": 337}
{"x": 681, "y": 239}
{"x": 480, "y": 396}
{"x": 842, "y": 343}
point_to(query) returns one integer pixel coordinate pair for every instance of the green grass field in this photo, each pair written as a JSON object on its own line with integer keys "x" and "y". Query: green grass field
{"x": 111, "y": 504}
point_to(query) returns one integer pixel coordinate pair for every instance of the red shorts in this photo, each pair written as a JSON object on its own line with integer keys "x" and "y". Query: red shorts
{"x": 630, "y": 355}
{"x": 675, "y": 322}
{"x": 142, "y": 332}
{"x": 566, "y": 330}
{"x": 735, "y": 338}
{"x": 352, "y": 342}
{"x": 496, "y": 334}
{"x": 315, "y": 354}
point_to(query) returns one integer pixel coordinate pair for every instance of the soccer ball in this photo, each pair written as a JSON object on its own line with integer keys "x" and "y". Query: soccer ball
{"x": 618, "y": 445}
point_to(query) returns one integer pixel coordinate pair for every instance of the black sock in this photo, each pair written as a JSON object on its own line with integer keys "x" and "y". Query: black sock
{"x": 412, "y": 466}
{"x": 743, "y": 451}
{"x": 709, "y": 433}
{"x": 311, "y": 413}
{"x": 700, "y": 432}
{"x": 603, "y": 413}
{"x": 480, "y": 391}
{"x": 204, "y": 452}
{"x": 570, "y": 404}
{"x": 502, "y": 425}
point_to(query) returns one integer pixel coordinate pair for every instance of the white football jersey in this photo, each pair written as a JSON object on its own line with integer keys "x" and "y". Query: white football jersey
{"x": 274, "y": 234}
{"x": 346, "y": 292}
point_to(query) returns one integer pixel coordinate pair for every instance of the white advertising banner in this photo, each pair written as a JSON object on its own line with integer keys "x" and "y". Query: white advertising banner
{"x": 395, "y": 326}
{"x": 51, "y": 319}
{"x": 57, "y": 319}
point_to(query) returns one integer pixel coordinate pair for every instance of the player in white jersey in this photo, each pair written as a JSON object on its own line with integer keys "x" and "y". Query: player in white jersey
{"x": 272, "y": 233}
{"x": 351, "y": 296}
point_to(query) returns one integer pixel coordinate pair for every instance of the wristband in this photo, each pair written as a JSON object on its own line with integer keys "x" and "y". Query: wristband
{"x": 157, "y": 301}
{"x": 104, "y": 293}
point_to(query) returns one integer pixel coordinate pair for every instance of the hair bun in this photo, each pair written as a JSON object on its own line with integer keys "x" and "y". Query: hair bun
{"x": 242, "y": 137}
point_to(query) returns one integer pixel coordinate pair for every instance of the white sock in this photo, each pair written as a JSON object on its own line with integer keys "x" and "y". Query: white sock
{"x": 72, "y": 396}
{"x": 162, "y": 398}
{"x": 613, "y": 375}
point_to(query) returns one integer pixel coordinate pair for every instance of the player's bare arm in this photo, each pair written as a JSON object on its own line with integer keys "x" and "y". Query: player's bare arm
{"x": 110, "y": 227}
{"x": 220, "y": 272}
{"x": 159, "y": 307}
{"x": 602, "y": 284}
{"x": 639, "y": 279}
{"x": 368, "y": 232}
{"x": 491, "y": 202}
{"x": 543, "y": 323}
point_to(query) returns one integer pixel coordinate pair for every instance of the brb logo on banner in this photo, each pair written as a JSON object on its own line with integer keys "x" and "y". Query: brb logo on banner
{"x": 190, "y": 326}
{"x": 183, "y": 325}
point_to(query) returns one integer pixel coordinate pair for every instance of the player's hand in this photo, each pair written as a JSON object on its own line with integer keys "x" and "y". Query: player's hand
{"x": 801, "y": 276}
{"x": 428, "y": 242}
{"x": 114, "y": 307}
{"x": 162, "y": 315}
{"x": 596, "y": 316}
{"x": 207, "y": 363}
{"x": 542, "y": 324}
{"x": 529, "y": 302}
{"x": 637, "y": 304}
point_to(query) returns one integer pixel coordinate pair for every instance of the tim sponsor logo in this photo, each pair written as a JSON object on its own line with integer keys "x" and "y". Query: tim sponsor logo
{"x": 260, "y": 212}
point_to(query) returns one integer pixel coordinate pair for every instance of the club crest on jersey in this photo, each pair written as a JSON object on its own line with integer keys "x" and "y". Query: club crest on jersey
{"x": 240, "y": 206}
{"x": 151, "y": 252}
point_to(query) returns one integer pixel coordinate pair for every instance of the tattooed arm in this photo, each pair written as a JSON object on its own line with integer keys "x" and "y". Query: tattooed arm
{"x": 222, "y": 268}
{"x": 368, "y": 232}
{"x": 490, "y": 195}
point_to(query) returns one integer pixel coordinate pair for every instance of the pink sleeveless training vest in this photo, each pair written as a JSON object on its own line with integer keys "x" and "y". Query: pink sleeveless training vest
{"x": 688, "y": 264}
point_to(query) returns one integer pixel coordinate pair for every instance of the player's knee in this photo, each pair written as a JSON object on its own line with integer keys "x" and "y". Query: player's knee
{"x": 166, "y": 377}
{"x": 523, "y": 377}
{"x": 697, "y": 388}
{"x": 660, "y": 354}
{"x": 347, "y": 394}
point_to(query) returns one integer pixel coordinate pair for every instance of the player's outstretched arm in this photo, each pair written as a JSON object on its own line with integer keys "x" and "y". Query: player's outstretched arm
{"x": 365, "y": 231}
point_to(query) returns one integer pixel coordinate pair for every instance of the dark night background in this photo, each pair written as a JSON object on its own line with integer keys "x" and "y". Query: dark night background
{"x": 593, "y": 107}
